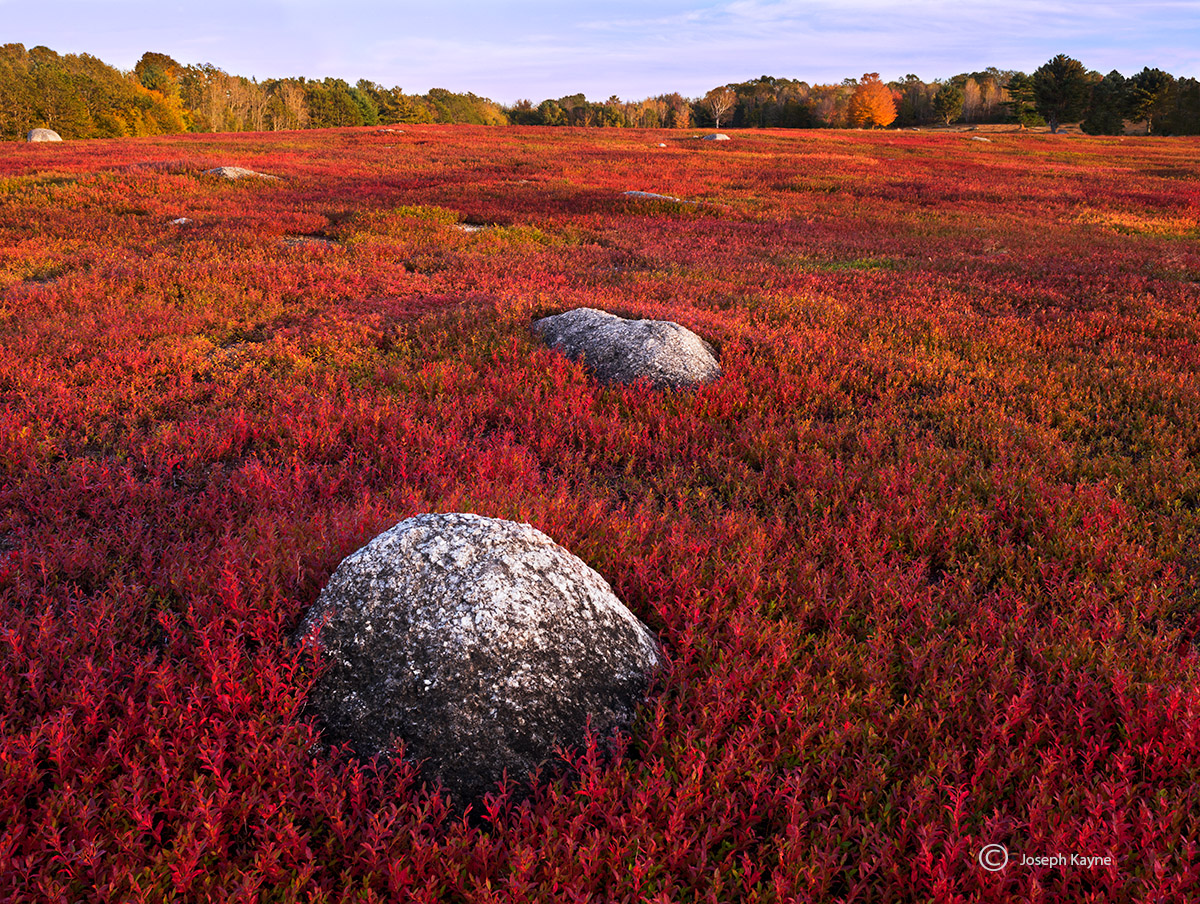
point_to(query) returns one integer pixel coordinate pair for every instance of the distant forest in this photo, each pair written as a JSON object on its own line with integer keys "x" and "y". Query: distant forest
{"x": 79, "y": 96}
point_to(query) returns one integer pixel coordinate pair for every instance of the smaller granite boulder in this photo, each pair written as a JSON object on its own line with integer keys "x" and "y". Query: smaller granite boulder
{"x": 236, "y": 172}
{"x": 43, "y": 135}
{"x": 719, "y": 136}
{"x": 617, "y": 350}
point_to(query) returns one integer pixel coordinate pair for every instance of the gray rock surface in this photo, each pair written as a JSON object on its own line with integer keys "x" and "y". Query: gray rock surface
{"x": 479, "y": 642}
{"x": 651, "y": 196}
{"x": 236, "y": 172}
{"x": 616, "y": 350}
{"x": 43, "y": 135}
{"x": 717, "y": 136}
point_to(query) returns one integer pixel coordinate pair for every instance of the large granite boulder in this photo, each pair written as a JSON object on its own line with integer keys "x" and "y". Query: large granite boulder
{"x": 617, "y": 350}
{"x": 43, "y": 135}
{"x": 480, "y": 643}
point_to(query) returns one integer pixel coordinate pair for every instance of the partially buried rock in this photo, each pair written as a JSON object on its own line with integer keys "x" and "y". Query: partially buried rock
{"x": 480, "y": 643}
{"x": 43, "y": 135}
{"x": 718, "y": 136}
{"x": 653, "y": 196}
{"x": 236, "y": 172}
{"x": 617, "y": 350}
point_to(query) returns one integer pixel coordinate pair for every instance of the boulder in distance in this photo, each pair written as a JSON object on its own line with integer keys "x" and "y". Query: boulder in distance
{"x": 236, "y": 172}
{"x": 617, "y": 350}
{"x": 43, "y": 135}
{"x": 480, "y": 643}
{"x": 717, "y": 136}
{"x": 653, "y": 196}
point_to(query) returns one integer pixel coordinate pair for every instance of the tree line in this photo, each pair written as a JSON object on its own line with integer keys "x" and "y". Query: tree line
{"x": 80, "y": 96}
{"x": 1060, "y": 91}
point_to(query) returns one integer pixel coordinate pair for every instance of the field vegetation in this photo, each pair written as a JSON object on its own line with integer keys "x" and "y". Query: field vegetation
{"x": 924, "y": 561}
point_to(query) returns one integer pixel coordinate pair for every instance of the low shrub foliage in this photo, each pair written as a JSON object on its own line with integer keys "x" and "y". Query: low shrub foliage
{"x": 924, "y": 561}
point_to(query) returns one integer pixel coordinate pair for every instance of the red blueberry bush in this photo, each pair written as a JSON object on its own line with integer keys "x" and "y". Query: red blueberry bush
{"x": 924, "y": 561}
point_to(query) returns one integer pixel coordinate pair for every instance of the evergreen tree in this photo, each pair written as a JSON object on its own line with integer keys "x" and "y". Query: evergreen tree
{"x": 1184, "y": 118}
{"x": 1150, "y": 97}
{"x": 1061, "y": 89}
{"x": 1109, "y": 106}
{"x": 1020, "y": 103}
{"x": 368, "y": 110}
{"x": 948, "y": 103}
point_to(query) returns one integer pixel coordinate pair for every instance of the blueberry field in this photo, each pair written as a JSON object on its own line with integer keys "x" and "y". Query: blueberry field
{"x": 924, "y": 561}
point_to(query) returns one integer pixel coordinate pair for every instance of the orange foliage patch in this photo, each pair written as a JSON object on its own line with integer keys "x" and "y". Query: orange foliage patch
{"x": 871, "y": 105}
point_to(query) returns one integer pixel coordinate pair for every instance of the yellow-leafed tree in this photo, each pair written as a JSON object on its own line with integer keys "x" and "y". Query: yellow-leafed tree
{"x": 872, "y": 106}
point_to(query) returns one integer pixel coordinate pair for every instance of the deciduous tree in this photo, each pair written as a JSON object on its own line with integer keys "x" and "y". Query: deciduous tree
{"x": 288, "y": 107}
{"x": 680, "y": 115}
{"x": 718, "y": 102}
{"x": 551, "y": 113}
{"x": 158, "y": 72}
{"x": 871, "y": 104}
{"x": 829, "y": 105}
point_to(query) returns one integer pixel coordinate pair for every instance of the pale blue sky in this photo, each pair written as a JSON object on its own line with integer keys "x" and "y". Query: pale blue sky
{"x": 548, "y": 48}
